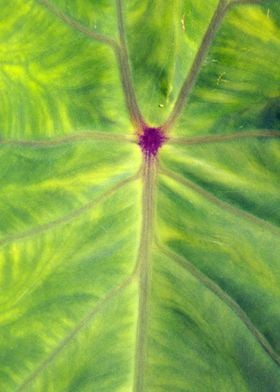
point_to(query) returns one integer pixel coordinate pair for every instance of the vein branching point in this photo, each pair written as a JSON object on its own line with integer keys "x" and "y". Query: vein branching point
{"x": 151, "y": 140}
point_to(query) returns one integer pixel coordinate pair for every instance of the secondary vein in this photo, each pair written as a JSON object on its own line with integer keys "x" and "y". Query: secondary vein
{"x": 67, "y": 218}
{"x": 125, "y": 72}
{"x": 82, "y": 324}
{"x": 244, "y": 2}
{"x": 69, "y": 139}
{"x": 76, "y": 25}
{"x": 120, "y": 51}
{"x": 197, "y": 64}
{"x": 220, "y": 203}
{"x": 227, "y": 299}
{"x": 206, "y": 139}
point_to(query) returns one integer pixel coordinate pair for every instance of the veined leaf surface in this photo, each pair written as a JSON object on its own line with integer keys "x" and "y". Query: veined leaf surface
{"x": 140, "y": 205}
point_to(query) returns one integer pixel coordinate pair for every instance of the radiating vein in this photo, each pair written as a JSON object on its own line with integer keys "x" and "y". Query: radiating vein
{"x": 69, "y": 217}
{"x": 125, "y": 73}
{"x": 191, "y": 78}
{"x": 207, "y": 139}
{"x": 101, "y": 305}
{"x": 236, "y": 2}
{"x": 76, "y": 25}
{"x": 69, "y": 139}
{"x": 144, "y": 271}
{"x": 120, "y": 50}
{"x": 226, "y": 298}
{"x": 220, "y": 203}
{"x": 223, "y": 7}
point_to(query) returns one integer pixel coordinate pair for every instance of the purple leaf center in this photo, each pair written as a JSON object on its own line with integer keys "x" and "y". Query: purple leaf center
{"x": 151, "y": 140}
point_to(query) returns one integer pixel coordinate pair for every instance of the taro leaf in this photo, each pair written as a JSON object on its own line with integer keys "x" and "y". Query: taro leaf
{"x": 126, "y": 266}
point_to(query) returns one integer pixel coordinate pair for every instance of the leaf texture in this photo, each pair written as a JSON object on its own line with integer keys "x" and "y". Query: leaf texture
{"x": 121, "y": 269}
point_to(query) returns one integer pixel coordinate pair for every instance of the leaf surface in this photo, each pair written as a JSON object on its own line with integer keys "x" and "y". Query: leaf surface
{"x": 140, "y": 219}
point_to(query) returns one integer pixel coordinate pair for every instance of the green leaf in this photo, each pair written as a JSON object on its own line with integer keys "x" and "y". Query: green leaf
{"x": 140, "y": 219}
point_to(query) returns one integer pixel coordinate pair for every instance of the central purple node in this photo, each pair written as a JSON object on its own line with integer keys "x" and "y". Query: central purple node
{"x": 151, "y": 140}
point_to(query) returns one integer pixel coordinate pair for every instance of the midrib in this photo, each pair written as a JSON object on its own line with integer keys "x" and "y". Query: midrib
{"x": 144, "y": 271}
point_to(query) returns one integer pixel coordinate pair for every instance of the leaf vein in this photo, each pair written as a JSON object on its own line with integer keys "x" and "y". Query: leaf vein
{"x": 67, "y": 218}
{"x": 76, "y": 25}
{"x": 226, "y": 298}
{"x": 125, "y": 72}
{"x": 225, "y": 138}
{"x": 82, "y": 324}
{"x": 192, "y": 75}
{"x": 222, "y": 204}
{"x": 144, "y": 272}
{"x": 69, "y": 139}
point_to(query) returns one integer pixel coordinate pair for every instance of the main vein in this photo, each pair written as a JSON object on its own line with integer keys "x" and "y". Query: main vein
{"x": 144, "y": 271}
